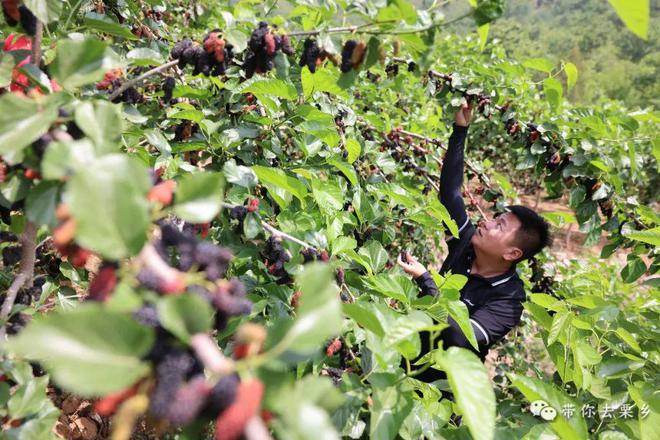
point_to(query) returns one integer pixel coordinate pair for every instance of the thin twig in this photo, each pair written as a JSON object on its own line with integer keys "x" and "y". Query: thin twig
{"x": 474, "y": 202}
{"x": 147, "y": 74}
{"x": 433, "y": 184}
{"x": 336, "y": 30}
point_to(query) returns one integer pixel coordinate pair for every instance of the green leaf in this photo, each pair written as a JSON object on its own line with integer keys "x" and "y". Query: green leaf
{"x": 185, "y": 315}
{"x": 392, "y": 286}
{"x": 319, "y": 312}
{"x": 103, "y": 23}
{"x": 89, "y": 350}
{"x": 487, "y": 11}
{"x": 80, "y": 62}
{"x": 535, "y": 389}
{"x": 553, "y": 91}
{"x": 341, "y": 244}
{"x": 328, "y": 195}
{"x": 375, "y": 254}
{"x": 634, "y": 269}
{"x": 560, "y": 323}
{"x": 628, "y": 338}
{"x": 198, "y": 196}
{"x": 571, "y": 72}
{"x": 41, "y": 202}
{"x": 318, "y": 124}
{"x": 144, "y": 56}
{"x": 483, "y": 35}
{"x": 390, "y": 408}
{"x": 651, "y": 236}
{"x": 7, "y": 64}
{"x": 353, "y": 148}
{"x": 542, "y": 64}
{"x": 635, "y": 14}
{"x": 325, "y": 79}
{"x": 346, "y": 169}
{"x": 271, "y": 87}
{"x": 364, "y": 317}
{"x": 28, "y": 398}
{"x": 239, "y": 175}
{"x": 102, "y": 122}
{"x": 459, "y": 312}
{"x": 45, "y": 10}
{"x": 107, "y": 200}
{"x": 22, "y": 121}
{"x": 280, "y": 179}
{"x": 469, "y": 381}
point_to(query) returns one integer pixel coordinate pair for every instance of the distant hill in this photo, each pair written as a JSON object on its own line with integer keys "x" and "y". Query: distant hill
{"x": 612, "y": 61}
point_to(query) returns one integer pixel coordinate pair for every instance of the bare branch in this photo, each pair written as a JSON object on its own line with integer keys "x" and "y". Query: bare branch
{"x": 25, "y": 271}
{"x": 145, "y": 75}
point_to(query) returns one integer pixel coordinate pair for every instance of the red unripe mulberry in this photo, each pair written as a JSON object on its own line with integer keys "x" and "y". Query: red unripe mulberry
{"x": 79, "y": 257}
{"x": 333, "y": 347}
{"x": 32, "y": 174}
{"x": 269, "y": 41}
{"x": 231, "y": 423}
{"x": 253, "y": 205}
{"x": 107, "y": 405}
{"x": 103, "y": 283}
{"x": 162, "y": 193}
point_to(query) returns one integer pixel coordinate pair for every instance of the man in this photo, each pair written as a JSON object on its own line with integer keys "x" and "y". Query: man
{"x": 486, "y": 255}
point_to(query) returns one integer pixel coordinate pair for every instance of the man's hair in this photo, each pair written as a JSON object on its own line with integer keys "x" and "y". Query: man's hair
{"x": 533, "y": 234}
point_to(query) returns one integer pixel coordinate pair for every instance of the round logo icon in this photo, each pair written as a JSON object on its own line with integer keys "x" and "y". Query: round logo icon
{"x": 548, "y": 414}
{"x": 537, "y": 406}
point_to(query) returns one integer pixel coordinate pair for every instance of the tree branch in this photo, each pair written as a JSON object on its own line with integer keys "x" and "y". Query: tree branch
{"x": 25, "y": 271}
{"x": 145, "y": 75}
{"x": 36, "y": 43}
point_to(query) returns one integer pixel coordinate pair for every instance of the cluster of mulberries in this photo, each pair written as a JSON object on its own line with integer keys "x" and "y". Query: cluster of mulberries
{"x": 212, "y": 58}
{"x": 275, "y": 256}
{"x": 185, "y": 130}
{"x": 399, "y": 147}
{"x": 15, "y": 12}
{"x": 188, "y": 251}
{"x": 112, "y": 81}
{"x": 262, "y": 47}
{"x": 311, "y": 55}
{"x": 352, "y": 55}
{"x": 312, "y": 254}
{"x": 239, "y": 212}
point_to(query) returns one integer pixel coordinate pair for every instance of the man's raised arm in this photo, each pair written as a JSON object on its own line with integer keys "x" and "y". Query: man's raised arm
{"x": 451, "y": 177}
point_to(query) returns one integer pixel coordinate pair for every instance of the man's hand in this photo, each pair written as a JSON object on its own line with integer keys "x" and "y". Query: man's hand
{"x": 412, "y": 266}
{"x": 463, "y": 115}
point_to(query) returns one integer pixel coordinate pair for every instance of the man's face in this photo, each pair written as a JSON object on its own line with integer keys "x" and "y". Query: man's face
{"x": 496, "y": 237}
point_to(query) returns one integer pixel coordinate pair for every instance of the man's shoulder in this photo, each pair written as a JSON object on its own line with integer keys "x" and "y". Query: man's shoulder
{"x": 512, "y": 289}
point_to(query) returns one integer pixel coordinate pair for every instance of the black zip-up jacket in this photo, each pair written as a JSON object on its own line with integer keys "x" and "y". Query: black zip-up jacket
{"x": 494, "y": 304}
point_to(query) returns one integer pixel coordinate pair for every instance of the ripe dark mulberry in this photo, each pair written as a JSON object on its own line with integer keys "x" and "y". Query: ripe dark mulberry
{"x": 189, "y": 399}
{"x": 346, "y": 55}
{"x": 168, "y": 88}
{"x": 223, "y": 394}
{"x": 310, "y": 55}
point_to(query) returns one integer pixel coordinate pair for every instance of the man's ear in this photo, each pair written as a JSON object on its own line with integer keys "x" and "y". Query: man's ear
{"x": 512, "y": 254}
